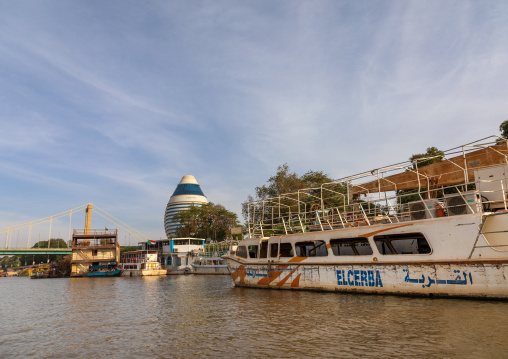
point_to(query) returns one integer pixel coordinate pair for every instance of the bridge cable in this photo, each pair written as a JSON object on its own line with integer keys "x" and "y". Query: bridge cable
{"x": 120, "y": 223}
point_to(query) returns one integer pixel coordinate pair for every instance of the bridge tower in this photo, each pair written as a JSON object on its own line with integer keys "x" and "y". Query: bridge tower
{"x": 88, "y": 218}
{"x": 93, "y": 247}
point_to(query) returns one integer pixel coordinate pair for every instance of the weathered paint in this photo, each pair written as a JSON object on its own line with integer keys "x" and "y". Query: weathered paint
{"x": 451, "y": 268}
{"x": 469, "y": 280}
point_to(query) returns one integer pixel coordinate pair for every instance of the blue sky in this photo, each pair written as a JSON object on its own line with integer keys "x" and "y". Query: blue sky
{"x": 112, "y": 102}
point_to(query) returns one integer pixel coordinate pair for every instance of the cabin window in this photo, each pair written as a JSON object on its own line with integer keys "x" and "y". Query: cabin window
{"x": 351, "y": 246}
{"x": 253, "y": 251}
{"x": 94, "y": 252}
{"x": 274, "y": 249}
{"x": 263, "y": 250}
{"x": 241, "y": 251}
{"x": 403, "y": 243}
{"x": 311, "y": 249}
{"x": 286, "y": 250}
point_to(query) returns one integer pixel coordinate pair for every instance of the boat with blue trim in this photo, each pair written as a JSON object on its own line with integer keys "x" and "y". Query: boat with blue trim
{"x": 104, "y": 270}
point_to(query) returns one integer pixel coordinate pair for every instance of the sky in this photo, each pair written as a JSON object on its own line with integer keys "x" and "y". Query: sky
{"x": 112, "y": 102}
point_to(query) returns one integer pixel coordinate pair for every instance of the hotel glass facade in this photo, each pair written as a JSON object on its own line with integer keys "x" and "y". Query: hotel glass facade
{"x": 187, "y": 193}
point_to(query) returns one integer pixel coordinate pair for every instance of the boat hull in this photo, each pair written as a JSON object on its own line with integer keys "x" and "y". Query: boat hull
{"x": 187, "y": 269}
{"x": 113, "y": 273}
{"x": 144, "y": 272}
{"x": 444, "y": 279}
{"x": 210, "y": 269}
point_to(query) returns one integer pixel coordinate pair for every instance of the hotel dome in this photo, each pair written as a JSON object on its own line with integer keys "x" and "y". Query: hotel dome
{"x": 187, "y": 193}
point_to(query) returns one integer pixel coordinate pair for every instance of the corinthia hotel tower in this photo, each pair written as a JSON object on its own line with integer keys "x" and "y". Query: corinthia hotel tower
{"x": 187, "y": 193}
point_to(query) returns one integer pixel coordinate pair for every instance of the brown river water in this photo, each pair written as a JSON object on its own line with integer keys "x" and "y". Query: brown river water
{"x": 207, "y": 317}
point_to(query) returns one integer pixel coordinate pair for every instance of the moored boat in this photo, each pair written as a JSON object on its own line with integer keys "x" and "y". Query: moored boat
{"x": 104, "y": 270}
{"x": 180, "y": 253}
{"x": 141, "y": 263}
{"x": 433, "y": 227}
{"x": 209, "y": 265}
{"x": 39, "y": 272}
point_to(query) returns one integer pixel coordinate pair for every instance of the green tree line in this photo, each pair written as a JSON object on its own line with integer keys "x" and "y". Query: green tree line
{"x": 206, "y": 221}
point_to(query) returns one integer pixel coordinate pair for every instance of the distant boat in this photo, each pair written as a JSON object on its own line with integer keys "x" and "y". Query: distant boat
{"x": 104, "y": 270}
{"x": 141, "y": 263}
{"x": 210, "y": 265}
{"x": 40, "y": 272}
{"x": 180, "y": 253}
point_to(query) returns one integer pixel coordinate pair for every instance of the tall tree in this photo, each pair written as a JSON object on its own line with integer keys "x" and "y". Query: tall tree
{"x": 207, "y": 221}
{"x": 504, "y": 129}
{"x": 286, "y": 181}
{"x": 432, "y": 155}
{"x": 419, "y": 160}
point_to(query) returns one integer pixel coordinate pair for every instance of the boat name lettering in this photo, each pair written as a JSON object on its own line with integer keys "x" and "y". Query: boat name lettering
{"x": 359, "y": 278}
{"x": 251, "y": 272}
{"x": 457, "y": 281}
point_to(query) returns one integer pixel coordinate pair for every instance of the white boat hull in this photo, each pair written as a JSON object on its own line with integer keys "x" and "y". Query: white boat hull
{"x": 186, "y": 269}
{"x": 144, "y": 272}
{"x": 210, "y": 269}
{"x": 481, "y": 280}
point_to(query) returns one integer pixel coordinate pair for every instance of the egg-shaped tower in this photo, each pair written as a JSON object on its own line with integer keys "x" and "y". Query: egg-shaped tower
{"x": 187, "y": 193}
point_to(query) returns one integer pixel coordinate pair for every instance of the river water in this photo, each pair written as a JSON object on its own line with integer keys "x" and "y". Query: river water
{"x": 207, "y": 317}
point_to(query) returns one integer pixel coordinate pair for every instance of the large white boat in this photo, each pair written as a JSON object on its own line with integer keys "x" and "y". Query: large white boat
{"x": 437, "y": 226}
{"x": 141, "y": 263}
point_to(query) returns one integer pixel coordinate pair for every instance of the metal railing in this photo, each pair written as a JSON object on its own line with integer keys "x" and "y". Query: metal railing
{"x": 393, "y": 194}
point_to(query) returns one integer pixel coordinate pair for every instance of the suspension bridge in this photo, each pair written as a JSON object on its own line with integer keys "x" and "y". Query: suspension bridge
{"x": 14, "y": 245}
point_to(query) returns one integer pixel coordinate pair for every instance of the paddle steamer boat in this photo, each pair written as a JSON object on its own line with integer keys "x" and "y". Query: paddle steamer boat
{"x": 436, "y": 226}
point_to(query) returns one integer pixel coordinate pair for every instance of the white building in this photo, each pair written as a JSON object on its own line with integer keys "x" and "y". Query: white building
{"x": 187, "y": 193}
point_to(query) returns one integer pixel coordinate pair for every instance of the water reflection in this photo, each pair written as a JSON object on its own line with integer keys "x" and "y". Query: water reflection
{"x": 205, "y": 317}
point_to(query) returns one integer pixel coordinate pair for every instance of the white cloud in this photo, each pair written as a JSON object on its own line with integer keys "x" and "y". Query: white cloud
{"x": 114, "y": 103}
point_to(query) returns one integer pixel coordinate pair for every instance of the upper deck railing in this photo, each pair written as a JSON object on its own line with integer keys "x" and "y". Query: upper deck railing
{"x": 94, "y": 238}
{"x": 95, "y": 232}
{"x": 468, "y": 179}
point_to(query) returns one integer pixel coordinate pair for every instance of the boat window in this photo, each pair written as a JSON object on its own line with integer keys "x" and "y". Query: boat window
{"x": 241, "y": 251}
{"x": 286, "y": 250}
{"x": 403, "y": 243}
{"x": 274, "y": 249}
{"x": 263, "y": 250}
{"x": 311, "y": 249}
{"x": 358, "y": 246}
{"x": 253, "y": 251}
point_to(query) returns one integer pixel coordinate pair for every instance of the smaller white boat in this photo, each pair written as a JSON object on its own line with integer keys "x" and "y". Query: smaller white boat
{"x": 141, "y": 263}
{"x": 179, "y": 254}
{"x": 209, "y": 265}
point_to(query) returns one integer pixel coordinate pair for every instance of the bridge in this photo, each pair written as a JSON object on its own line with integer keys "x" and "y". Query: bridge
{"x": 13, "y": 246}
{"x": 16, "y": 251}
